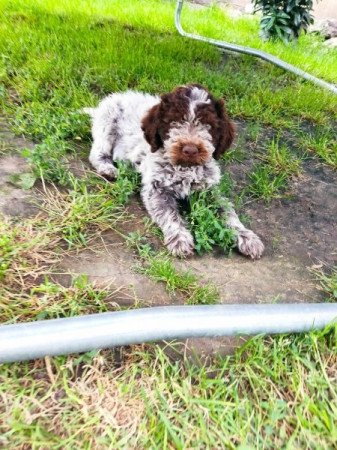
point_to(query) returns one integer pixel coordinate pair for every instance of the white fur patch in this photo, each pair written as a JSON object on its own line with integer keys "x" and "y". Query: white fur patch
{"x": 197, "y": 96}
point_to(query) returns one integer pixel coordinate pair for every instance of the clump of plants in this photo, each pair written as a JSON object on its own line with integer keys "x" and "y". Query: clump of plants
{"x": 207, "y": 218}
{"x": 269, "y": 179}
{"x": 284, "y": 19}
{"x": 159, "y": 266}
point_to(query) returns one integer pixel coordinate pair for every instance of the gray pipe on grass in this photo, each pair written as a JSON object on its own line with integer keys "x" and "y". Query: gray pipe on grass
{"x": 253, "y": 52}
{"x": 25, "y": 341}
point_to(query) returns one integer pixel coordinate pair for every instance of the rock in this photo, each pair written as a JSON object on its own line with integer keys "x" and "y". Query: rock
{"x": 331, "y": 43}
{"x": 249, "y": 8}
{"x": 327, "y": 28}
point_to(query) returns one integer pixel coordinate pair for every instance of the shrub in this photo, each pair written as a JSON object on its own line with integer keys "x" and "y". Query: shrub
{"x": 284, "y": 19}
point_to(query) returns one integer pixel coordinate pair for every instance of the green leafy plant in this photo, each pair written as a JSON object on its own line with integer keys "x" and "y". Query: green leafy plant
{"x": 206, "y": 218}
{"x": 284, "y": 19}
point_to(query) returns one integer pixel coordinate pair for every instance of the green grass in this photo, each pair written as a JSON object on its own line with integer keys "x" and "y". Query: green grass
{"x": 328, "y": 282}
{"x": 279, "y": 158}
{"x": 32, "y": 65}
{"x": 269, "y": 179}
{"x": 266, "y": 185}
{"x": 322, "y": 142}
{"x": 160, "y": 267}
{"x": 274, "y": 393}
{"x": 51, "y": 300}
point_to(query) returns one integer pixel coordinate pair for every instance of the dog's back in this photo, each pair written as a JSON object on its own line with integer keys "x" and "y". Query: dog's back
{"x": 116, "y": 129}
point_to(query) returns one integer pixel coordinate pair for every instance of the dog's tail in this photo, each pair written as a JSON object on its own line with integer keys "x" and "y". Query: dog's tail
{"x": 90, "y": 111}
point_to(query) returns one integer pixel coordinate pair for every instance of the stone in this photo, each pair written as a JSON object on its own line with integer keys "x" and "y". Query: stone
{"x": 327, "y": 28}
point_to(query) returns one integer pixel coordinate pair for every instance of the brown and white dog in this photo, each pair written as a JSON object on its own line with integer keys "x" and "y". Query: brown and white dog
{"x": 174, "y": 142}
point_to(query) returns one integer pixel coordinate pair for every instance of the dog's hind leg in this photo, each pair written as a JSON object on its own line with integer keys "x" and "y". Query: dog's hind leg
{"x": 104, "y": 132}
{"x": 101, "y": 158}
{"x": 248, "y": 243}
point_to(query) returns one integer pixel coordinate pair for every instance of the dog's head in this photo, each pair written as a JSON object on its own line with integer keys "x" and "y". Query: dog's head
{"x": 190, "y": 125}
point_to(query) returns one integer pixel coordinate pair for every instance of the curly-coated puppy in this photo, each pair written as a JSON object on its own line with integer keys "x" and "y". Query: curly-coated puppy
{"x": 174, "y": 142}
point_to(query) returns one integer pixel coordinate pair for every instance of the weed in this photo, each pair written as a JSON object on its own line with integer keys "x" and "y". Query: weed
{"x": 266, "y": 185}
{"x": 6, "y": 249}
{"x": 50, "y": 300}
{"x": 44, "y": 120}
{"x": 328, "y": 282}
{"x": 49, "y": 161}
{"x": 280, "y": 160}
{"x": 322, "y": 143}
{"x": 160, "y": 267}
{"x": 24, "y": 180}
{"x": 269, "y": 180}
{"x": 207, "y": 218}
{"x": 81, "y": 213}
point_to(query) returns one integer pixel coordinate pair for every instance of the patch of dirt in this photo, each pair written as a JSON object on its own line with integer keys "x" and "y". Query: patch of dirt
{"x": 110, "y": 261}
{"x": 303, "y": 227}
{"x": 14, "y": 202}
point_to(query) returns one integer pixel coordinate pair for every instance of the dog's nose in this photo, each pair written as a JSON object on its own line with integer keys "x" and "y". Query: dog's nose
{"x": 190, "y": 150}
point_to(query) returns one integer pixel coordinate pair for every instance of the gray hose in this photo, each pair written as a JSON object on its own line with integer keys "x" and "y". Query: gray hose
{"x": 251, "y": 51}
{"x": 31, "y": 340}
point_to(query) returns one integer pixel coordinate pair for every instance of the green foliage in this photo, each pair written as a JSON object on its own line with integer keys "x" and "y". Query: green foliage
{"x": 207, "y": 218}
{"x": 50, "y": 300}
{"x": 320, "y": 141}
{"x": 270, "y": 179}
{"x": 49, "y": 160}
{"x": 284, "y": 19}
{"x": 24, "y": 181}
{"x": 266, "y": 184}
{"x": 7, "y": 248}
{"x": 328, "y": 282}
{"x": 127, "y": 183}
{"x": 40, "y": 120}
{"x": 280, "y": 159}
{"x": 161, "y": 267}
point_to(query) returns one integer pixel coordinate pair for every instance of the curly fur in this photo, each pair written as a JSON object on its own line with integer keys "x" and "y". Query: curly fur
{"x": 174, "y": 142}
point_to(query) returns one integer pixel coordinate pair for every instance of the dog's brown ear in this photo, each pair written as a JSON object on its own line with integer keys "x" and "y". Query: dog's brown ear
{"x": 150, "y": 124}
{"x": 225, "y": 132}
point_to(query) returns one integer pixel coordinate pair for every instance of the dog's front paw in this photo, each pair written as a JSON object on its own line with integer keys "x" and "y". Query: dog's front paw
{"x": 180, "y": 244}
{"x": 249, "y": 244}
{"x": 108, "y": 171}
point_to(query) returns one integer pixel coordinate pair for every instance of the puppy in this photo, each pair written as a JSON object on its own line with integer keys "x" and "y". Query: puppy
{"x": 174, "y": 142}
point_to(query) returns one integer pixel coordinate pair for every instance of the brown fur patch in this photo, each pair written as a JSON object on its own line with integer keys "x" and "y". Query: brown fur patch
{"x": 179, "y": 158}
{"x": 174, "y": 107}
{"x": 222, "y": 128}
